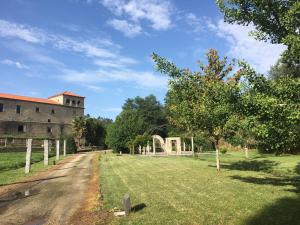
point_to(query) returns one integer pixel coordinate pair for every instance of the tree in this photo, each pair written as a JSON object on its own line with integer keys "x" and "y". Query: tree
{"x": 139, "y": 115}
{"x": 96, "y": 131}
{"x": 205, "y": 100}
{"x": 272, "y": 108}
{"x": 79, "y": 128}
{"x": 281, "y": 69}
{"x": 277, "y": 21}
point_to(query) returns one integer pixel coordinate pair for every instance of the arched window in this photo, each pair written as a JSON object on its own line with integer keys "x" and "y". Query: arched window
{"x": 68, "y": 101}
{"x": 73, "y": 102}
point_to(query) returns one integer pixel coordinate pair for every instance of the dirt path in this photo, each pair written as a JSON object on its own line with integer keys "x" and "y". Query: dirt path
{"x": 52, "y": 200}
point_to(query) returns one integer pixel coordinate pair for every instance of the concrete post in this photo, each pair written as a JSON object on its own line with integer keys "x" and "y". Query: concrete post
{"x": 154, "y": 150}
{"x": 28, "y": 155}
{"x": 184, "y": 146}
{"x": 65, "y": 147}
{"x": 5, "y": 142}
{"x": 46, "y": 152}
{"x": 148, "y": 147}
{"x": 57, "y": 149}
{"x": 140, "y": 149}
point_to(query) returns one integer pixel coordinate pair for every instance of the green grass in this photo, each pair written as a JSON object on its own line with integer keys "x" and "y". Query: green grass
{"x": 180, "y": 190}
{"x": 12, "y": 165}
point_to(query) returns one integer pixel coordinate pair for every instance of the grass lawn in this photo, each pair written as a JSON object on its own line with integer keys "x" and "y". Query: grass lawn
{"x": 264, "y": 189}
{"x": 12, "y": 165}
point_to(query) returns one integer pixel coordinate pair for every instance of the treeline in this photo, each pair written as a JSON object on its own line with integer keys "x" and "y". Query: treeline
{"x": 227, "y": 99}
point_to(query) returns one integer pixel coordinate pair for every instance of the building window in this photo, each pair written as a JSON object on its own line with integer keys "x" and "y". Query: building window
{"x": 1, "y": 107}
{"x": 68, "y": 101}
{"x": 49, "y": 130}
{"x": 18, "y": 109}
{"x": 73, "y": 102}
{"x": 52, "y": 111}
{"x": 49, "y": 120}
{"x": 21, "y": 128}
{"x": 78, "y": 103}
{"x": 37, "y": 109}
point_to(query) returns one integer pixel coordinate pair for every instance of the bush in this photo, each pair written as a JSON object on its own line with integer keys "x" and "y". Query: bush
{"x": 71, "y": 145}
{"x": 223, "y": 150}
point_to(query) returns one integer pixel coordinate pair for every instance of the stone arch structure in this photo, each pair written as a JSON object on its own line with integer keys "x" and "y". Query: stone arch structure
{"x": 160, "y": 140}
{"x": 167, "y": 145}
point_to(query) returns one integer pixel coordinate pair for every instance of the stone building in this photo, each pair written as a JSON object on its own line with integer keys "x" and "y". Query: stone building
{"x": 22, "y": 116}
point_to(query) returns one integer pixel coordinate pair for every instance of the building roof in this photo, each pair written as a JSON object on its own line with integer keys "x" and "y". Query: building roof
{"x": 69, "y": 93}
{"x": 28, "y": 99}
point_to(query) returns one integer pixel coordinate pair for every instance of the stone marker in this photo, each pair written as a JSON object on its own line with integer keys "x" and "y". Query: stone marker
{"x": 65, "y": 147}
{"x": 46, "y": 152}
{"x": 28, "y": 155}
{"x": 127, "y": 204}
{"x": 57, "y": 149}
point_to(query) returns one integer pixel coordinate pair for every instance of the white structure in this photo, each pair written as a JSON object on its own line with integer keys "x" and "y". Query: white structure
{"x": 169, "y": 146}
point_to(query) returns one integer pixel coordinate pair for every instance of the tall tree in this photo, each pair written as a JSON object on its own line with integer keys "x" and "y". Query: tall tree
{"x": 96, "y": 131}
{"x": 204, "y": 100}
{"x": 79, "y": 129}
{"x": 277, "y": 21}
{"x": 139, "y": 115}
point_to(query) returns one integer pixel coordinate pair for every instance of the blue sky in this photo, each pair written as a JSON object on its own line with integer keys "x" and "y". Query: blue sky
{"x": 101, "y": 48}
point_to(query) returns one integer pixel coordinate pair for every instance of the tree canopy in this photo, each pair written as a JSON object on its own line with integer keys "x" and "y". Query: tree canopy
{"x": 138, "y": 116}
{"x": 277, "y": 21}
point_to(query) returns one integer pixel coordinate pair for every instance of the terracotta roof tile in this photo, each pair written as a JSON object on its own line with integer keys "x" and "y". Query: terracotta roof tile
{"x": 69, "y": 93}
{"x": 29, "y": 99}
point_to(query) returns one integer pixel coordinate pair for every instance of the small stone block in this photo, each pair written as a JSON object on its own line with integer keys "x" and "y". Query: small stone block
{"x": 122, "y": 213}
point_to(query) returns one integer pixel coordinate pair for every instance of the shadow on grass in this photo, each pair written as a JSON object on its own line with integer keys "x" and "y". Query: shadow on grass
{"x": 252, "y": 165}
{"x": 138, "y": 207}
{"x": 285, "y": 211}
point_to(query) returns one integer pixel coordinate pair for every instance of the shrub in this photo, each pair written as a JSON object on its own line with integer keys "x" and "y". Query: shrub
{"x": 71, "y": 144}
{"x": 223, "y": 150}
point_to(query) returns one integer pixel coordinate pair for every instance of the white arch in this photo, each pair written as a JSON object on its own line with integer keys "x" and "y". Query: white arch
{"x": 161, "y": 141}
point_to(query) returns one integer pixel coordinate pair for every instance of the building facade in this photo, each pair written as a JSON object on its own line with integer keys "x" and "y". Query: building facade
{"x": 22, "y": 116}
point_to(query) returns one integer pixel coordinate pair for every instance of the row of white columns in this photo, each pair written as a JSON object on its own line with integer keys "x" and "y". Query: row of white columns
{"x": 46, "y": 152}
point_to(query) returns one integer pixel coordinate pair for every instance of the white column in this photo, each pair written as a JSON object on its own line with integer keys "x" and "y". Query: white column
{"x": 140, "y": 149}
{"x": 154, "y": 146}
{"x": 57, "y": 149}
{"x": 28, "y": 155}
{"x": 5, "y": 142}
{"x": 46, "y": 152}
{"x": 65, "y": 147}
{"x": 184, "y": 146}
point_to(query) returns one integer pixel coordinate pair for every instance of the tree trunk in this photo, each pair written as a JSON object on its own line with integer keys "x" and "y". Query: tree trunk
{"x": 216, "y": 144}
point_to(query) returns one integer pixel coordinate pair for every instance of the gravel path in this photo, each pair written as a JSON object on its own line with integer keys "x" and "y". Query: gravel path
{"x": 51, "y": 200}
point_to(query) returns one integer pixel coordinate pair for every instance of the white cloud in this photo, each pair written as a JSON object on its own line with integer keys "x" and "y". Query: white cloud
{"x": 142, "y": 79}
{"x": 12, "y": 30}
{"x": 156, "y": 12}
{"x": 194, "y": 22}
{"x": 95, "y": 88}
{"x": 129, "y": 29}
{"x": 261, "y": 55}
{"x": 14, "y": 63}
{"x": 113, "y": 66}
{"x": 91, "y": 48}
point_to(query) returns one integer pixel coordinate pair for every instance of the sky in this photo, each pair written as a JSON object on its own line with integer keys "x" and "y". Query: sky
{"x": 101, "y": 49}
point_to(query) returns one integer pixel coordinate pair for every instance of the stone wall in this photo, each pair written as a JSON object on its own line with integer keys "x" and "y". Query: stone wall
{"x": 37, "y": 119}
